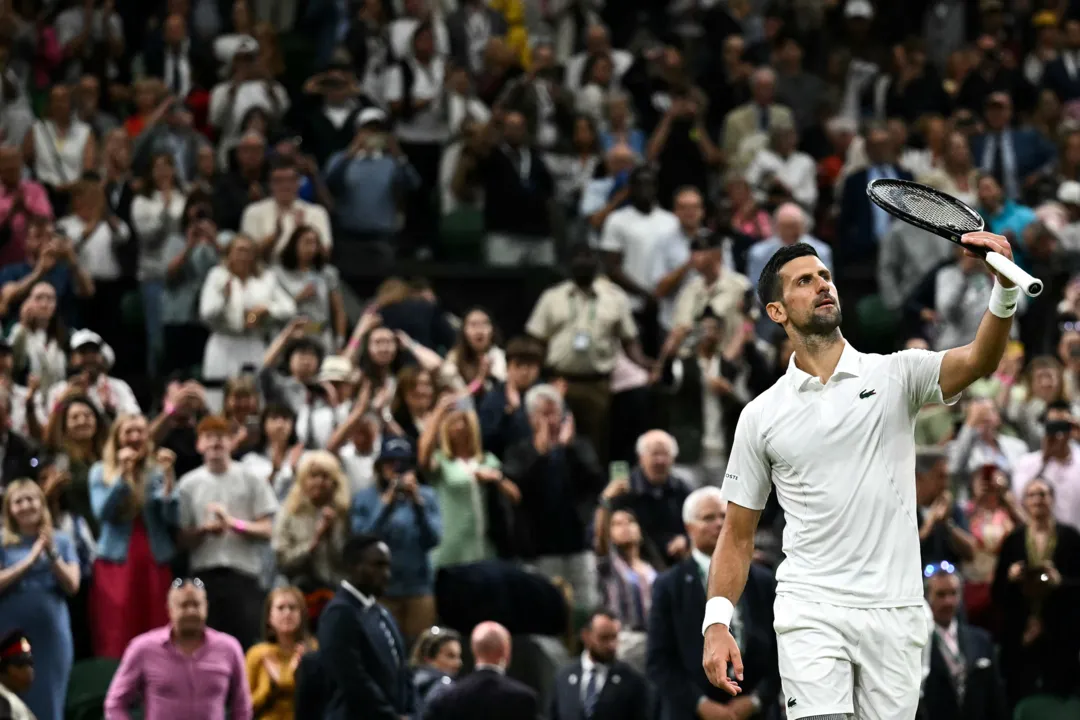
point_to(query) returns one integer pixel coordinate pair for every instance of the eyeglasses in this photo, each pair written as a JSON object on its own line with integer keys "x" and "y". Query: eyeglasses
{"x": 942, "y": 567}
{"x": 193, "y": 581}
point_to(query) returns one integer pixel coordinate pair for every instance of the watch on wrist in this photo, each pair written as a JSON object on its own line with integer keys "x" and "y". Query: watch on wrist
{"x": 51, "y": 553}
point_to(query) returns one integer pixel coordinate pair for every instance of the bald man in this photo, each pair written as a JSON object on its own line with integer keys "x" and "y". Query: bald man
{"x": 486, "y": 693}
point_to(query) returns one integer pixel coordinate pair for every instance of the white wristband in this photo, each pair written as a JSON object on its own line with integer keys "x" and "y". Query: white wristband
{"x": 1003, "y": 300}
{"x": 718, "y": 611}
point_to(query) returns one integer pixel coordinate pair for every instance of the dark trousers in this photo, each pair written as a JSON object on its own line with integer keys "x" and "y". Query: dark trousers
{"x": 422, "y": 218}
{"x": 183, "y": 351}
{"x": 103, "y": 314}
{"x": 235, "y": 604}
{"x": 590, "y": 402}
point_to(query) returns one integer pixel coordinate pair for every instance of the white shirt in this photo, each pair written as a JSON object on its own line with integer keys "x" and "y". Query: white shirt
{"x": 114, "y": 390}
{"x": 430, "y": 125}
{"x": 96, "y": 254}
{"x": 228, "y": 314}
{"x": 588, "y": 668}
{"x": 58, "y": 159}
{"x": 635, "y": 235}
{"x": 798, "y": 172}
{"x": 365, "y": 600}
{"x": 260, "y": 220}
{"x": 842, "y": 458}
{"x": 401, "y": 36}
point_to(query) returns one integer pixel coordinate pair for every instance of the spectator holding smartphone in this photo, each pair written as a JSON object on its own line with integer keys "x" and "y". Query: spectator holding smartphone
{"x": 407, "y": 515}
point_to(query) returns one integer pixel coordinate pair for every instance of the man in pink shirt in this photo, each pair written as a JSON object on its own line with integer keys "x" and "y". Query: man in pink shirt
{"x": 184, "y": 671}
{"x": 19, "y": 199}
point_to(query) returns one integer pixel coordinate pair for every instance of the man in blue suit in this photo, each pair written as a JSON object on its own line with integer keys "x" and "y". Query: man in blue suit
{"x": 861, "y": 224}
{"x": 360, "y": 646}
{"x": 1011, "y": 155}
{"x": 675, "y": 640}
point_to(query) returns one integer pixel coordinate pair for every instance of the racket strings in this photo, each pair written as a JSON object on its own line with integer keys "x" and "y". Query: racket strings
{"x": 931, "y": 207}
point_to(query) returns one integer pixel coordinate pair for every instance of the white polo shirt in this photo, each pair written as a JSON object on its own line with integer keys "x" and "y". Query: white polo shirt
{"x": 635, "y": 235}
{"x": 842, "y": 458}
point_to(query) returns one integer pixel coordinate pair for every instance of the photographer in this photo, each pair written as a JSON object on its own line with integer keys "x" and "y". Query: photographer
{"x": 1035, "y": 591}
{"x": 1056, "y": 462}
{"x": 366, "y": 180}
{"x": 334, "y": 99}
{"x": 407, "y": 515}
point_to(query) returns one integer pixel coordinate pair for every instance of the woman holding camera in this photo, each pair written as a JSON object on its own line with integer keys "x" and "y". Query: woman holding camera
{"x": 1035, "y": 588}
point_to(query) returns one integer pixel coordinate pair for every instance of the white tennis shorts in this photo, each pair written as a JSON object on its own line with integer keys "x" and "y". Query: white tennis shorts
{"x": 839, "y": 660}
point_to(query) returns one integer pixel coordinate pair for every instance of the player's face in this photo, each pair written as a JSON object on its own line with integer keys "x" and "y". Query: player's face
{"x": 809, "y": 300}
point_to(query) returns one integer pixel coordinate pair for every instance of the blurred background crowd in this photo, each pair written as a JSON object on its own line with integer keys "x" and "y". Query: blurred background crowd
{"x": 293, "y": 290}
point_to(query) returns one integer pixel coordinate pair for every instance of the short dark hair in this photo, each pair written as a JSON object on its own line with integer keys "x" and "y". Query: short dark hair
{"x": 281, "y": 163}
{"x": 356, "y": 546}
{"x": 598, "y": 612}
{"x": 768, "y": 285}
{"x": 1056, "y": 406}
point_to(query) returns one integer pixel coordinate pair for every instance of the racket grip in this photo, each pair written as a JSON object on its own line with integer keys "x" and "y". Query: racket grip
{"x": 1032, "y": 287}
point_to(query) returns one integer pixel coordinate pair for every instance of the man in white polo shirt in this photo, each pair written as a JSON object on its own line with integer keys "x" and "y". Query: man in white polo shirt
{"x": 835, "y": 436}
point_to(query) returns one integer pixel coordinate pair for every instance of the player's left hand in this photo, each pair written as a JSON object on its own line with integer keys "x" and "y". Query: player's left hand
{"x": 993, "y": 243}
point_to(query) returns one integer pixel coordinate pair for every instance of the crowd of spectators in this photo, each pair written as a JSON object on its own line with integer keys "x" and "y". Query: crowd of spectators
{"x": 205, "y": 430}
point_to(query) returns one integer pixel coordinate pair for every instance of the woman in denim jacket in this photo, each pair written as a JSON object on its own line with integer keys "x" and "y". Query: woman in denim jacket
{"x": 132, "y": 497}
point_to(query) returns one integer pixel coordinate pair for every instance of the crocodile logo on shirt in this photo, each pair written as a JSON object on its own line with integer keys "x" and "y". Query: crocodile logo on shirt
{"x": 867, "y": 393}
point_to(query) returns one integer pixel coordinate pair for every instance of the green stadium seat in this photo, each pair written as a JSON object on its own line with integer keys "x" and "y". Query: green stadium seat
{"x": 461, "y": 236}
{"x": 1047, "y": 707}
{"x": 131, "y": 310}
{"x": 877, "y": 324}
{"x": 87, "y": 687}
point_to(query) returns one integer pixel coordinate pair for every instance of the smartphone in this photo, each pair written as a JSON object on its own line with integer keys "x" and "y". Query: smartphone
{"x": 62, "y": 464}
{"x": 618, "y": 470}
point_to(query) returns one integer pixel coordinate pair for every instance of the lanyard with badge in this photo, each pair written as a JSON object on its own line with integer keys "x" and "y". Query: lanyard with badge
{"x": 582, "y": 336}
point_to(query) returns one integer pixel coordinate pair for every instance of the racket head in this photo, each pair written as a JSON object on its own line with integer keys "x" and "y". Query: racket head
{"x": 927, "y": 208}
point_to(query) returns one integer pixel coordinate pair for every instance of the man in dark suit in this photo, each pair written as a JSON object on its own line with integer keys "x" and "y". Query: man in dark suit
{"x": 1062, "y": 74}
{"x": 470, "y": 27}
{"x": 172, "y": 56}
{"x": 862, "y": 224}
{"x": 596, "y": 686}
{"x": 360, "y": 646}
{"x": 675, "y": 642}
{"x": 486, "y": 693}
{"x": 963, "y": 681}
{"x": 1011, "y": 155}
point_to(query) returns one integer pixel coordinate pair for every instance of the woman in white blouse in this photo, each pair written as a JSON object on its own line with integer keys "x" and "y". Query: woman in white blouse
{"x": 314, "y": 286}
{"x": 156, "y": 215}
{"x": 782, "y": 169}
{"x": 240, "y": 302}
{"x": 39, "y": 339}
{"x": 59, "y": 148}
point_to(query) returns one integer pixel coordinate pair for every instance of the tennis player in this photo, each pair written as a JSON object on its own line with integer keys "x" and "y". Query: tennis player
{"x": 835, "y": 436}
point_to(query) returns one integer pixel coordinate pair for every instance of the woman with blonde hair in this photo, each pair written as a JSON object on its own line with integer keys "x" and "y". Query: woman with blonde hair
{"x": 132, "y": 497}
{"x": 271, "y": 665}
{"x": 407, "y": 516}
{"x": 38, "y": 571}
{"x": 451, "y": 450}
{"x": 310, "y": 530}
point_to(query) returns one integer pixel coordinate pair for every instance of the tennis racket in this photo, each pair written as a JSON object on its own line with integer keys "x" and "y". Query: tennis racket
{"x": 945, "y": 216}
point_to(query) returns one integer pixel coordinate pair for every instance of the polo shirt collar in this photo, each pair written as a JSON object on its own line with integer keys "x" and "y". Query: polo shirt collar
{"x": 847, "y": 367}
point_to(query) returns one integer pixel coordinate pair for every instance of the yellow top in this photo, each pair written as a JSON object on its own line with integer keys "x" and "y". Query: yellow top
{"x": 273, "y": 699}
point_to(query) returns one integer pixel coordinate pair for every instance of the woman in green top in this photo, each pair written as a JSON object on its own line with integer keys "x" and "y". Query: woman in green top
{"x": 450, "y": 449}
